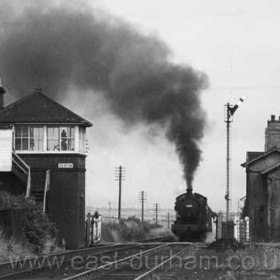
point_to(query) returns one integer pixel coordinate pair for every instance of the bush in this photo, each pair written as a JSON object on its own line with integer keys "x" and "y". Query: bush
{"x": 37, "y": 228}
{"x": 129, "y": 229}
{"x": 12, "y": 248}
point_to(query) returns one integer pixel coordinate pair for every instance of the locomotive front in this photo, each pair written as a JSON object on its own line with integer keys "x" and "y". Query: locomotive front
{"x": 191, "y": 216}
{"x": 187, "y": 207}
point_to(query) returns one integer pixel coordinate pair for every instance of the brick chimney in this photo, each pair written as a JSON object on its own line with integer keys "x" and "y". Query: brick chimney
{"x": 2, "y": 92}
{"x": 272, "y": 133}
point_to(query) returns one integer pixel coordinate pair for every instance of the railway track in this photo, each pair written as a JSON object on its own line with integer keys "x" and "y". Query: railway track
{"x": 160, "y": 260}
{"x": 56, "y": 263}
{"x": 158, "y": 239}
{"x": 61, "y": 264}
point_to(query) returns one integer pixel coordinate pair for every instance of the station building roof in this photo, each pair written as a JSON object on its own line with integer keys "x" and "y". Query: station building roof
{"x": 255, "y": 156}
{"x": 39, "y": 108}
{"x": 271, "y": 168}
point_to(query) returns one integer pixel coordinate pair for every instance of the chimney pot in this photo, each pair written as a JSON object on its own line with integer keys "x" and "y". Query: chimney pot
{"x": 273, "y": 118}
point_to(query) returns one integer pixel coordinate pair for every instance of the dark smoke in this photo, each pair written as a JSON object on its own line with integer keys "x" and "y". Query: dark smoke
{"x": 54, "y": 48}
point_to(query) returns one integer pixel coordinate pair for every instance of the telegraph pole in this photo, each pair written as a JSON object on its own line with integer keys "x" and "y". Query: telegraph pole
{"x": 142, "y": 199}
{"x": 109, "y": 209}
{"x": 229, "y": 112}
{"x": 168, "y": 220}
{"x": 156, "y": 212}
{"x": 120, "y": 176}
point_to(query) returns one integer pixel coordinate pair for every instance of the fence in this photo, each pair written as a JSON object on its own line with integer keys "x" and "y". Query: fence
{"x": 93, "y": 229}
{"x": 242, "y": 229}
{"x": 238, "y": 229}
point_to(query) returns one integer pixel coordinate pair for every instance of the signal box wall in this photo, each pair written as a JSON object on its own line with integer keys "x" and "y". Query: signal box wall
{"x": 66, "y": 196}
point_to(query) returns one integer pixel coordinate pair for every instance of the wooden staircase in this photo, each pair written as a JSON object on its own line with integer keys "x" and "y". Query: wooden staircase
{"x": 22, "y": 171}
{"x": 40, "y": 180}
{"x": 38, "y": 186}
{"x": 37, "y": 183}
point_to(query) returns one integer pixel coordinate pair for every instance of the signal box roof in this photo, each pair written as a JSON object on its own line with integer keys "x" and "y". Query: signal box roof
{"x": 38, "y": 108}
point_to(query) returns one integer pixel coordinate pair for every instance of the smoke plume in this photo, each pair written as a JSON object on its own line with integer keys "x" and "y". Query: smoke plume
{"x": 55, "y": 47}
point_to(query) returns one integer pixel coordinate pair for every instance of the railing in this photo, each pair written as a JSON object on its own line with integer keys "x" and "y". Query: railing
{"x": 24, "y": 168}
{"x": 242, "y": 229}
{"x": 93, "y": 229}
{"x": 47, "y": 187}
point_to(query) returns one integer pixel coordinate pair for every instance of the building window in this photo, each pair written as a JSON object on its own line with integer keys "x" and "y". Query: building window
{"x": 82, "y": 139}
{"x": 29, "y": 138}
{"x": 53, "y": 139}
{"x": 60, "y": 138}
{"x": 47, "y": 138}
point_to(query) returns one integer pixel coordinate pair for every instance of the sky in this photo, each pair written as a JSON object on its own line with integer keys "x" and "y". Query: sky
{"x": 235, "y": 44}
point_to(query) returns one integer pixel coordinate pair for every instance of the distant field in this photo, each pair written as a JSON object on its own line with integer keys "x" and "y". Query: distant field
{"x": 149, "y": 214}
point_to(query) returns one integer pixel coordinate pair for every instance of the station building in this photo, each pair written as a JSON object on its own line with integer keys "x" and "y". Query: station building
{"x": 43, "y": 154}
{"x": 262, "y": 204}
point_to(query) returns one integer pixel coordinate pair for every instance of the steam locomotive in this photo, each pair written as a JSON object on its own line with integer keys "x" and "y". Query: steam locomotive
{"x": 193, "y": 217}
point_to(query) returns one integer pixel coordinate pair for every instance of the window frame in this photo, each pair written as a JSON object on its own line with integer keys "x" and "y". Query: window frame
{"x": 27, "y": 137}
{"x": 74, "y": 138}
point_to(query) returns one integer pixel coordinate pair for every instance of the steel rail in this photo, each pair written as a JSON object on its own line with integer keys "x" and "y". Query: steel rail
{"x": 32, "y": 264}
{"x": 147, "y": 275}
{"x": 107, "y": 267}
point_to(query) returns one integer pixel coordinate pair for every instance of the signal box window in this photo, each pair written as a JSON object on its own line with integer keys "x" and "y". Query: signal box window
{"x": 29, "y": 138}
{"x": 61, "y": 138}
{"x": 82, "y": 139}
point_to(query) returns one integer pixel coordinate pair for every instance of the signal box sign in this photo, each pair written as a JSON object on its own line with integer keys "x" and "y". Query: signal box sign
{"x": 65, "y": 165}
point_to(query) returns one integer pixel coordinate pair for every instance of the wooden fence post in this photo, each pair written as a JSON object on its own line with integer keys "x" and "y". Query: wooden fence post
{"x": 88, "y": 230}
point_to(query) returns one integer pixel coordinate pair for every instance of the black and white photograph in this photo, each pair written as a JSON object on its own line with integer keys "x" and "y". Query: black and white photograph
{"x": 139, "y": 139}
